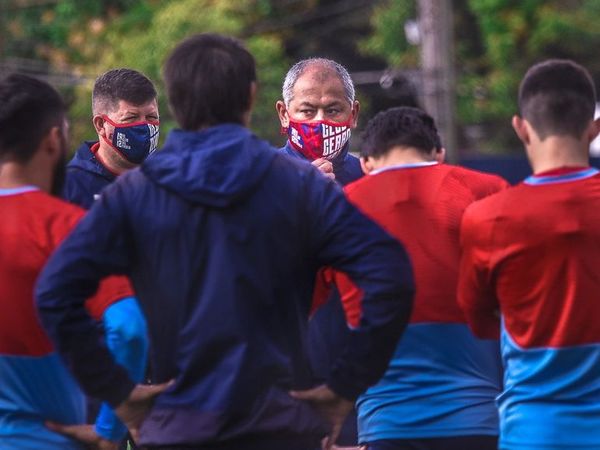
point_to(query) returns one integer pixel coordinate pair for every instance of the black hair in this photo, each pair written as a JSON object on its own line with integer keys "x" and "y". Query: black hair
{"x": 208, "y": 79}
{"x": 402, "y": 126}
{"x": 121, "y": 84}
{"x": 557, "y": 97}
{"x": 29, "y": 109}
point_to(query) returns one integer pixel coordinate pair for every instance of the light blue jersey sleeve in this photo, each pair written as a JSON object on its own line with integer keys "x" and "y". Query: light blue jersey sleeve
{"x": 127, "y": 339}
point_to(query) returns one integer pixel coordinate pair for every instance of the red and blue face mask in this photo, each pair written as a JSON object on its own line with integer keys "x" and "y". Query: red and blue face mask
{"x": 134, "y": 141}
{"x": 319, "y": 139}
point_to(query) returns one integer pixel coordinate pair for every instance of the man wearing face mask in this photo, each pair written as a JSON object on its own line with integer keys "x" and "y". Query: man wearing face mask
{"x": 318, "y": 113}
{"x": 35, "y": 386}
{"x": 125, "y": 117}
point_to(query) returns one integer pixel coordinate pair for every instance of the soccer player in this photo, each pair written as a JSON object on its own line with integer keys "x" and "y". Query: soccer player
{"x": 222, "y": 236}
{"x": 439, "y": 389}
{"x": 35, "y": 387}
{"x": 530, "y": 268}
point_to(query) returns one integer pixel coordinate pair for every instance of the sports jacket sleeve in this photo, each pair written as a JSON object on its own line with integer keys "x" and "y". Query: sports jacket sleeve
{"x": 475, "y": 293}
{"x": 96, "y": 248}
{"x": 342, "y": 237}
{"x": 126, "y": 336}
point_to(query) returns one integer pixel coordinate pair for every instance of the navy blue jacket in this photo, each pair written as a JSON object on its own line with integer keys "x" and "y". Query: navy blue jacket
{"x": 222, "y": 237}
{"x": 86, "y": 177}
{"x": 327, "y": 330}
{"x": 346, "y": 167}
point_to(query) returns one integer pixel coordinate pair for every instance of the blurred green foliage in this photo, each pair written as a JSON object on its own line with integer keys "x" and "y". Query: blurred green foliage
{"x": 496, "y": 40}
{"x": 92, "y": 36}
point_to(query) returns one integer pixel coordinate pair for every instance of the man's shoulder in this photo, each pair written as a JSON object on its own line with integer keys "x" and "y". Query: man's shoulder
{"x": 476, "y": 180}
{"x": 288, "y": 150}
{"x": 54, "y": 211}
{"x": 488, "y": 210}
{"x": 84, "y": 163}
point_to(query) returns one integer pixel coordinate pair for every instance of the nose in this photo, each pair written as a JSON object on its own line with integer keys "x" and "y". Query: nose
{"x": 320, "y": 114}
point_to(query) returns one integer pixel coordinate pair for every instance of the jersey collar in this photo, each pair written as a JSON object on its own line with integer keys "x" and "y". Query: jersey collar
{"x": 536, "y": 180}
{"x": 404, "y": 166}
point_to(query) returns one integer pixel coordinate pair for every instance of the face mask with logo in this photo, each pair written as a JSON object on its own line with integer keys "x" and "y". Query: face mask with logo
{"x": 320, "y": 139}
{"x": 134, "y": 141}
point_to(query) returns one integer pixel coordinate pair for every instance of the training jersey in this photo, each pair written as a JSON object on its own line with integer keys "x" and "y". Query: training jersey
{"x": 34, "y": 384}
{"x": 442, "y": 380}
{"x": 533, "y": 252}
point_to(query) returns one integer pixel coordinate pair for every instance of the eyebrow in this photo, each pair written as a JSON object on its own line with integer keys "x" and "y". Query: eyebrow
{"x": 305, "y": 103}
{"x": 328, "y": 105}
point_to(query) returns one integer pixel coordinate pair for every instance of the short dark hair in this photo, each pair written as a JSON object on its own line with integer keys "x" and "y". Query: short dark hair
{"x": 121, "y": 84}
{"x": 29, "y": 109}
{"x": 557, "y": 97}
{"x": 402, "y": 126}
{"x": 208, "y": 79}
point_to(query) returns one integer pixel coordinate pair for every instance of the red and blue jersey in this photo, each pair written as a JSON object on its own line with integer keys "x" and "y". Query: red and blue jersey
{"x": 531, "y": 254}
{"x": 34, "y": 384}
{"x": 442, "y": 380}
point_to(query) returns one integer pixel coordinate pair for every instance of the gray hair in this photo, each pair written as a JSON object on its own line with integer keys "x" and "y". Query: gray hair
{"x": 298, "y": 69}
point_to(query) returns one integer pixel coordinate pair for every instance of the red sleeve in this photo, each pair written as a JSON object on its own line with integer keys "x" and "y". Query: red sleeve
{"x": 110, "y": 291}
{"x": 351, "y": 296}
{"x": 322, "y": 290}
{"x": 475, "y": 292}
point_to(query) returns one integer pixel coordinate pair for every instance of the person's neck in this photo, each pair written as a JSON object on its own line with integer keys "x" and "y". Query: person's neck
{"x": 111, "y": 159}
{"x": 557, "y": 151}
{"x": 14, "y": 175}
{"x": 402, "y": 155}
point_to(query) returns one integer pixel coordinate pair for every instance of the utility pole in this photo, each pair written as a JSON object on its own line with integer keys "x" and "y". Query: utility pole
{"x": 437, "y": 62}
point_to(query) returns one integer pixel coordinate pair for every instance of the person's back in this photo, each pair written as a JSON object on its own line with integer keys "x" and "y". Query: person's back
{"x": 442, "y": 381}
{"x": 36, "y": 386}
{"x": 545, "y": 249}
{"x": 37, "y": 393}
{"x": 532, "y": 252}
{"x": 222, "y": 236}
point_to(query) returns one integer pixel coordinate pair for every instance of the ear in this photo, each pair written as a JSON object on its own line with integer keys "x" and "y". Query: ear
{"x": 366, "y": 164}
{"x": 282, "y": 112}
{"x": 520, "y": 127}
{"x": 594, "y": 129}
{"x": 355, "y": 111}
{"x": 440, "y": 155}
{"x": 54, "y": 143}
{"x": 98, "y": 122}
{"x": 253, "y": 94}
{"x": 248, "y": 113}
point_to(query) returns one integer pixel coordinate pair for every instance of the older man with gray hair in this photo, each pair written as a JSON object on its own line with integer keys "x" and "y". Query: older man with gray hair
{"x": 318, "y": 113}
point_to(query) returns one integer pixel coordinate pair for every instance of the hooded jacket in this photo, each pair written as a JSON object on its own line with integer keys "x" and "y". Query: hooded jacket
{"x": 222, "y": 237}
{"x": 86, "y": 177}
